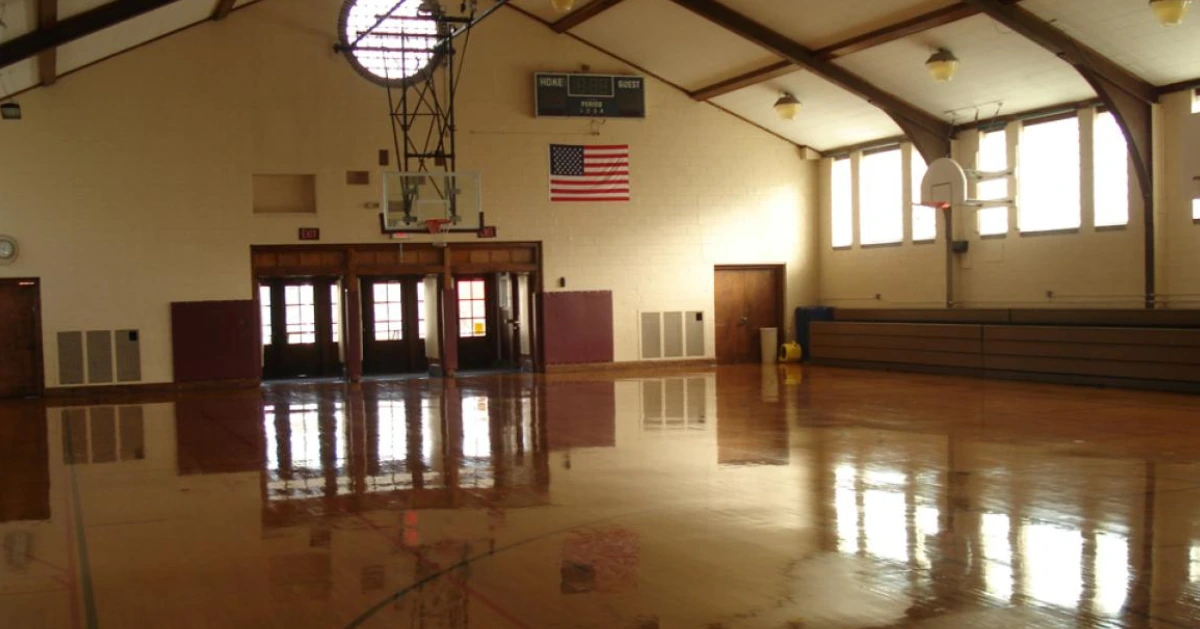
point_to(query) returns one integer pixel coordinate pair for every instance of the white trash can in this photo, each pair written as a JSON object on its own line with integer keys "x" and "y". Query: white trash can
{"x": 769, "y": 340}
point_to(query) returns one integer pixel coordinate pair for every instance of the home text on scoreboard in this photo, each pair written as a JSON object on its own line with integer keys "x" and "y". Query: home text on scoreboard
{"x": 589, "y": 95}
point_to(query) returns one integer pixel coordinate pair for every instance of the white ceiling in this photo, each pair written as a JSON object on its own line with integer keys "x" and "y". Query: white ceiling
{"x": 691, "y": 52}
{"x": 830, "y": 116}
{"x": 128, "y": 34}
{"x": 819, "y": 23}
{"x": 1126, "y": 32}
{"x": 999, "y": 68}
{"x": 544, "y": 10}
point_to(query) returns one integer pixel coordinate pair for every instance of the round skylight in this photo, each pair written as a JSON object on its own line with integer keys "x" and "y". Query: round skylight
{"x": 390, "y": 42}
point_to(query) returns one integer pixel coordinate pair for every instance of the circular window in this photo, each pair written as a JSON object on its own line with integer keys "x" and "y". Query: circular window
{"x": 391, "y": 42}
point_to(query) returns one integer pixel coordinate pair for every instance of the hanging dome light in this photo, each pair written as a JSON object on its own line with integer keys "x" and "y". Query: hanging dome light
{"x": 1170, "y": 12}
{"x": 562, "y": 6}
{"x": 943, "y": 65}
{"x": 788, "y": 107}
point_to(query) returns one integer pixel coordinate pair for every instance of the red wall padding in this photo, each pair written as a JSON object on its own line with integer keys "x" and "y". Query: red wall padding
{"x": 215, "y": 340}
{"x": 578, "y": 327}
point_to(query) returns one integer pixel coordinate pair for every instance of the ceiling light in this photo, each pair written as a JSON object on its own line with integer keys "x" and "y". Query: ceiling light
{"x": 10, "y": 111}
{"x": 787, "y": 106}
{"x": 1169, "y": 12}
{"x": 562, "y": 6}
{"x": 942, "y": 65}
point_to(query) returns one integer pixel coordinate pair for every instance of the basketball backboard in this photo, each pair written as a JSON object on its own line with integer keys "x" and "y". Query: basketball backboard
{"x": 411, "y": 199}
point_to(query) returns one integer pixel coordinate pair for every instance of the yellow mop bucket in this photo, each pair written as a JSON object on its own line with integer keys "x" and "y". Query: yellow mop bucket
{"x": 790, "y": 353}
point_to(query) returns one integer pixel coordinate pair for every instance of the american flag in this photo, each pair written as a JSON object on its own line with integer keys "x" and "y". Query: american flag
{"x": 589, "y": 173}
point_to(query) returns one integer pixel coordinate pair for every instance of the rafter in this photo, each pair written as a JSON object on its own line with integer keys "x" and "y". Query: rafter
{"x": 1127, "y": 95}
{"x": 583, "y": 14}
{"x": 48, "y": 59}
{"x": 753, "y": 77}
{"x": 858, "y": 43}
{"x": 222, "y": 9}
{"x": 75, "y": 27}
{"x": 929, "y": 134}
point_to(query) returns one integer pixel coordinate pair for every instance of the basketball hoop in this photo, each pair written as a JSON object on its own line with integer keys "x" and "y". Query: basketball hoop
{"x": 937, "y": 205}
{"x": 438, "y": 228}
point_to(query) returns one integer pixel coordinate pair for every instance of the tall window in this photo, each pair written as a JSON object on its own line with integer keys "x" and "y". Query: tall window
{"x": 993, "y": 156}
{"x": 300, "y": 314}
{"x": 472, "y": 309}
{"x": 335, "y": 305}
{"x": 1049, "y": 176}
{"x": 1111, "y": 156}
{"x": 264, "y": 313}
{"x": 881, "y": 198}
{"x": 841, "y": 193}
{"x": 421, "y": 326}
{"x": 389, "y": 311}
{"x": 1196, "y": 102}
{"x": 924, "y": 218}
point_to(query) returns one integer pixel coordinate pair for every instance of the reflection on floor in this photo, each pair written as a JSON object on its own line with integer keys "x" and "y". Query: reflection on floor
{"x": 743, "y": 497}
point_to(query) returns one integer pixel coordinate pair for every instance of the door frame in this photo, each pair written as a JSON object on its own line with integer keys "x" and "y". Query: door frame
{"x": 780, "y": 273}
{"x": 35, "y": 284}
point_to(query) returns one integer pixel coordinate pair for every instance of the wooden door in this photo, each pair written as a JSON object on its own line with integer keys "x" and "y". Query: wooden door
{"x": 476, "y": 326}
{"x": 301, "y": 328}
{"x": 20, "y": 338}
{"x": 394, "y": 327}
{"x": 747, "y": 299}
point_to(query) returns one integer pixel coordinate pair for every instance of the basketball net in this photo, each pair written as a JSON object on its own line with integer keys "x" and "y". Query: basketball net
{"x": 438, "y": 228}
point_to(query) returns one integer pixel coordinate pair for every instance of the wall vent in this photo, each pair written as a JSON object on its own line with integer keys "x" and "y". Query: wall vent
{"x": 672, "y": 335}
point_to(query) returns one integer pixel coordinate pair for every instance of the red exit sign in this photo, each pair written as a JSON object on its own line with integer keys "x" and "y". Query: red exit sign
{"x": 487, "y": 231}
{"x": 310, "y": 233}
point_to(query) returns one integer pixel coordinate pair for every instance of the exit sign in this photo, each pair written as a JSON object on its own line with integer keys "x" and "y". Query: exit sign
{"x": 310, "y": 233}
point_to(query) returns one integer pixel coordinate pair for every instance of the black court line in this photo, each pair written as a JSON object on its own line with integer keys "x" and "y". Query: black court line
{"x": 89, "y": 596}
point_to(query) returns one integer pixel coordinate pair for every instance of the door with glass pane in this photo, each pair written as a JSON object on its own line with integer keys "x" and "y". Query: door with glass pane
{"x": 301, "y": 327}
{"x": 394, "y": 326}
{"x": 478, "y": 342}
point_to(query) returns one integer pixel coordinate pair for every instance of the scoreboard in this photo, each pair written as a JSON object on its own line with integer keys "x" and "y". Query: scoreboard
{"x": 589, "y": 95}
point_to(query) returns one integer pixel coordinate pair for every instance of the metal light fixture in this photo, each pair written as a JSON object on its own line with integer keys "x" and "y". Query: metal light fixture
{"x": 788, "y": 107}
{"x": 562, "y": 6}
{"x": 942, "y": 65}
{"x": 1170, "y": 12}
{"x": 10, "y": 111}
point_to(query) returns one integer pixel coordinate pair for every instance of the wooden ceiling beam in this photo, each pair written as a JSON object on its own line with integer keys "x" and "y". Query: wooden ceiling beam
{"x": 75, "y": 27}
{"x": 753, "y": 77}
{"x": 48, "y": 59}
{"x": 858, "y": 43}
{"x": 582, "y": 14}
{"x": 928, "y": 133}
{"x": 222, "y": 9}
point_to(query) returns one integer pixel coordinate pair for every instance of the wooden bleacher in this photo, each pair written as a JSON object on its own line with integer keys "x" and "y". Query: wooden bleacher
{"x": 1155, "y": 349}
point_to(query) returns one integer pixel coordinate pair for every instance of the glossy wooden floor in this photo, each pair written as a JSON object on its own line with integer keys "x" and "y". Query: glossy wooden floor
{"x": 744, "y": 497}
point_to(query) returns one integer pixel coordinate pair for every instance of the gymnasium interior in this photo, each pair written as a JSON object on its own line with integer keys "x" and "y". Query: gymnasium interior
{"x": 625, "y": 314}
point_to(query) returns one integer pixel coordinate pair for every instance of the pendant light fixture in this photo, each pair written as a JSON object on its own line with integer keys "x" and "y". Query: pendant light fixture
{"x": 562, "y": 6}
{"x": 1170, "y": 12}
{"x": 788, "y": 106}
{"x": 942, "y": 65}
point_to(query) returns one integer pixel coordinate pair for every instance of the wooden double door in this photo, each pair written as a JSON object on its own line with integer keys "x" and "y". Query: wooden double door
{"x": 748, "y": 298}
{"x": 20, "y": 338}
{"x": 301, "y": 321}
{"x": 395, "y": 324}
